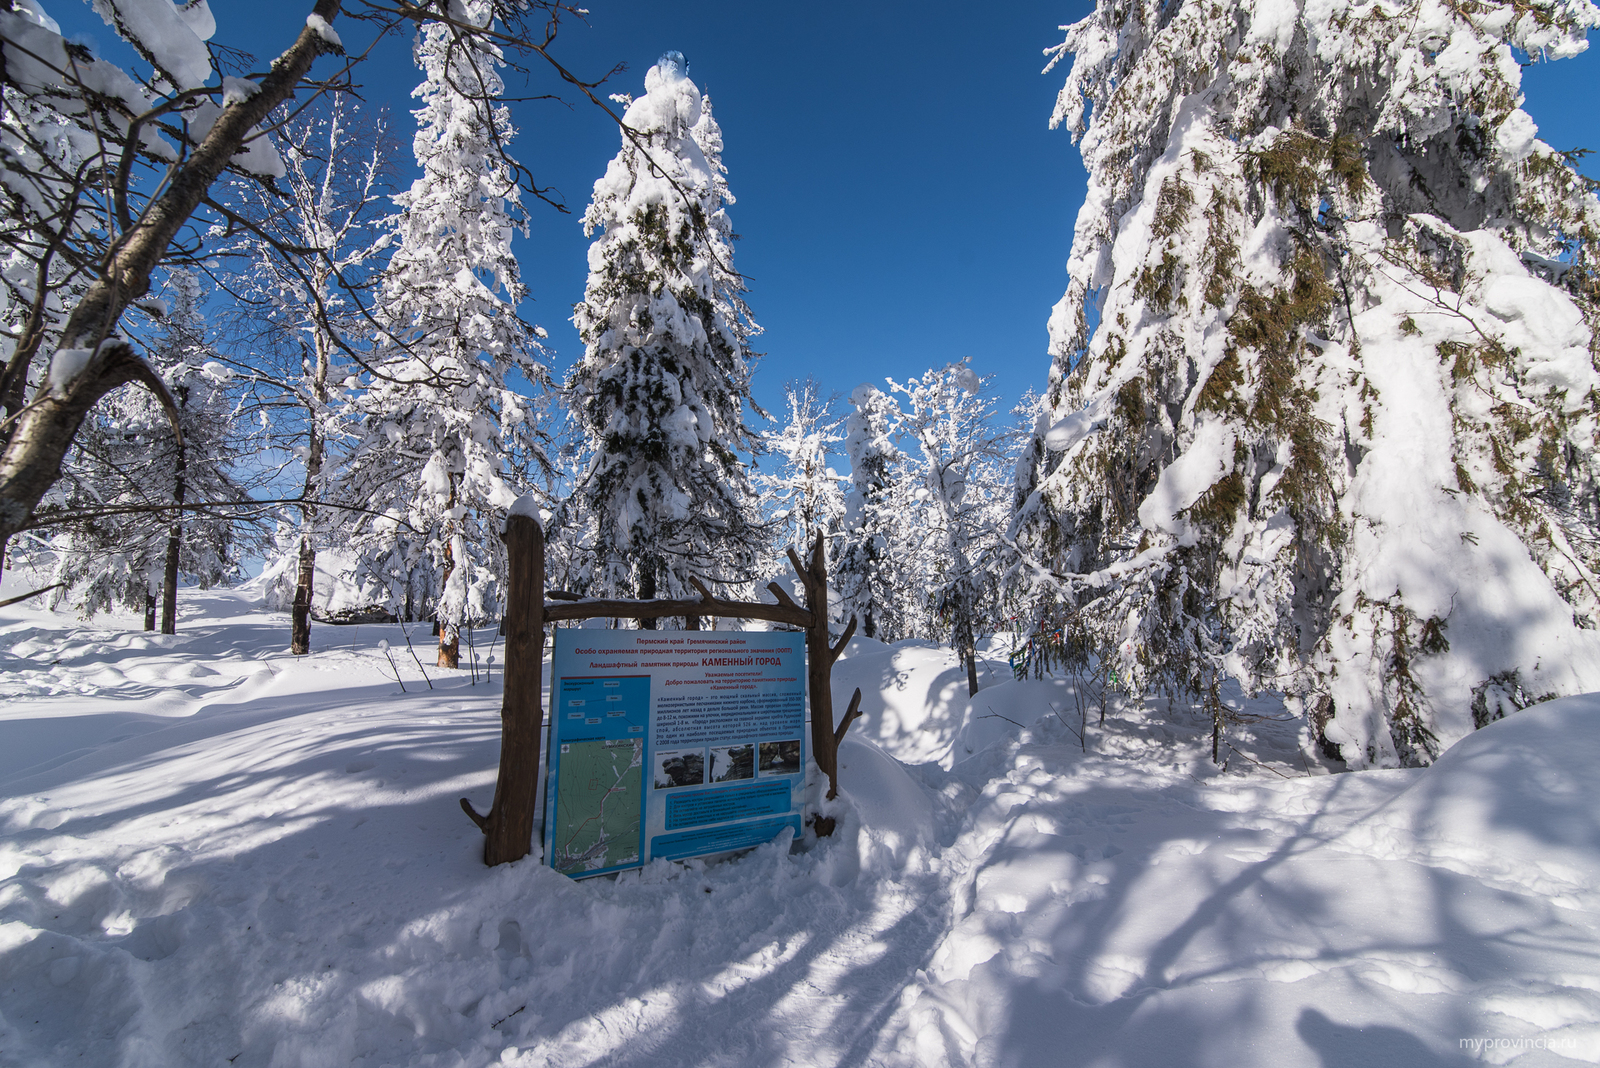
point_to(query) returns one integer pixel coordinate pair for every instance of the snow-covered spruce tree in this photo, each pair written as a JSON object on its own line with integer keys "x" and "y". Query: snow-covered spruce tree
{"x": 130, "y": 478}
{"x": 803, "y": 494}
{"x": 964, "y": 497}
{"x": 440, "y": 428}
{"x": 866, "y": 573}
{"x": 1324, "y": 380}
{"x": 663, "y": 384}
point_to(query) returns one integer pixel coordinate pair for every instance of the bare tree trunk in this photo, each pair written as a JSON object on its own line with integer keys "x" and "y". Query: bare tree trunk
{"x": 820, "y": 656}
{"x": 449, "y": 646}
{"x": 449, "y": 635}
{"x": 31, "y": 461}
{"x": 300, "y": 614}
{"x": 169, "y": 584}
{"x": 305, "y": 580}
{"x": 149, "y": 607}
{"x": 449, "y": 632}
{"x": 967, "y": 646}
{"x": 647, "y": 588}
{"x": 169, "y": 580}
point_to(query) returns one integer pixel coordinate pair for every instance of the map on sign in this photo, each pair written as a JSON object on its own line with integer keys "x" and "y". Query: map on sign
{"x": 596, "y": 822}
{"x": 599, "y": 805}
{"x": 672, "y": 744}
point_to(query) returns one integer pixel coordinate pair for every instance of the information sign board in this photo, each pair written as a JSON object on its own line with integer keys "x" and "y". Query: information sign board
{"x": 671, "y": 744}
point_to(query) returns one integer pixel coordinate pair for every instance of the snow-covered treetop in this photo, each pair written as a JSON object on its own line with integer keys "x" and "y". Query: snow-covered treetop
{"x": 669, "y": 109}
{"x": 1424, "y": 76}
{"x": 468, "y": 198}
{"x": 662, "y": 208}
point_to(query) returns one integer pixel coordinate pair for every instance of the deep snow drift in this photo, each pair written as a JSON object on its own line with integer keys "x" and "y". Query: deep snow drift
{"x": 214, "y": 853}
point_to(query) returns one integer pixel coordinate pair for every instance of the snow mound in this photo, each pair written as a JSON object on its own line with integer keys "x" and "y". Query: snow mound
{"x": 273, "y": 870}
{"x": 913, "y": 695}
{"x": 1513, "y": 803}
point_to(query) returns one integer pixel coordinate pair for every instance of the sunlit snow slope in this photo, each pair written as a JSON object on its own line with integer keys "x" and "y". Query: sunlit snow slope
{"x": 214, "y": 853}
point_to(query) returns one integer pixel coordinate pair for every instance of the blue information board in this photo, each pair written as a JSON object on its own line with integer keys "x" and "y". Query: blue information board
{"x": 671, "y": 744}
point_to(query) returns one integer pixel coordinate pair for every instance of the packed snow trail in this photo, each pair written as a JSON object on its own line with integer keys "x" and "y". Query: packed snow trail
{"x": 215, "y": 852}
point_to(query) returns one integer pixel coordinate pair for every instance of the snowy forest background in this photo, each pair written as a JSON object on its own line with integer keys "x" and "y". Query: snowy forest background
{"x": 1320, "y": 421}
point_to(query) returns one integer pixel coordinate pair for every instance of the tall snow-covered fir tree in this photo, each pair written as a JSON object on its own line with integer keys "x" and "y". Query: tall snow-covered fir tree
{"x": 1324, "y": 392}
{"x": 441, "y": 426}
{"x": 867, "y": 571}
{"x": 663, "y": 385}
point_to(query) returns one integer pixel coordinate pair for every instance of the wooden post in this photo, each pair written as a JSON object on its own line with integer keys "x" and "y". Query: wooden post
{"x": 508, "y": 828}
{"x": 820, "y": 655}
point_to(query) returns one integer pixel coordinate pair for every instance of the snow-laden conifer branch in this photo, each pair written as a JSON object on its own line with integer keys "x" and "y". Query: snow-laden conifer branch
{"x": 1312, "y": 340}
{"x": 266, "y": 507}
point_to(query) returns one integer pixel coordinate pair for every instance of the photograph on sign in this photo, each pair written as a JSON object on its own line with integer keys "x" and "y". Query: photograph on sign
{"x": 671, "y": 744}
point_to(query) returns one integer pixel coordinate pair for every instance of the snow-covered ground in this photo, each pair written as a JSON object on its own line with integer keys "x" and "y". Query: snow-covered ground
{"x": 215, "y": 853}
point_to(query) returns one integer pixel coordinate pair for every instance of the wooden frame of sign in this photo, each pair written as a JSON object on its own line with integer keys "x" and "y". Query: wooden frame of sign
{"x": 508, "y": 825}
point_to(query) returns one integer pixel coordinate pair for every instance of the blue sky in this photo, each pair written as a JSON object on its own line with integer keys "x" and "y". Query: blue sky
{"x": 902, "y": 200}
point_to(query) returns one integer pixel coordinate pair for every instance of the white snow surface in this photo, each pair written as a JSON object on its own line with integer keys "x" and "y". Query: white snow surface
{"x": 217, "y": 853}
{"x": 174, "y": 36}
{"x": 320, "y": 27}
{"x": 65, "y": 367}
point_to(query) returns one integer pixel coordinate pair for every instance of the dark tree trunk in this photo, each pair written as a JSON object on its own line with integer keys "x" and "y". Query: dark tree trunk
{"x": 169, "y": 585}
{"x": 306, "y": 579}
{"x": 647, "y": 589}
{"x": 300, "y": 619}
{"x": 169, "y": 580}
{"x": 968, "y": 648}
{"x": 149, "y": 607}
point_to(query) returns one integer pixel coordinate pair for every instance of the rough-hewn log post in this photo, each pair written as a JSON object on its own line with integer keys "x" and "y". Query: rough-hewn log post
{"x": 820, "y": 655}
{"x": 508, "y": 828}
